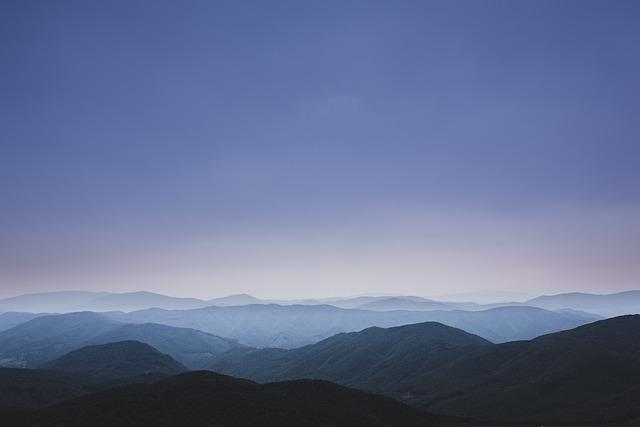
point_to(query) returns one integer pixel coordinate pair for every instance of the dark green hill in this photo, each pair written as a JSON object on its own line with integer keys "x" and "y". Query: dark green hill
{"x": 117, "y": 360}
{"x": 208, "y": 399}
{"x": 587, "y": 375}
{"x": 352, "y": 359}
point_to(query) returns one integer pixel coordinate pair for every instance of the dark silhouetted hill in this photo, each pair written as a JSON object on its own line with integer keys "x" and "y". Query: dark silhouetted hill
{"x": 587, "y": 374}
{"x": 35, "y": 388}
{"x": 208, "y": 399}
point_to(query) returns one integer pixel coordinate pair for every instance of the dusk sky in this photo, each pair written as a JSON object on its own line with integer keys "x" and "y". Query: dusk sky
{"x": 319, "y": 148}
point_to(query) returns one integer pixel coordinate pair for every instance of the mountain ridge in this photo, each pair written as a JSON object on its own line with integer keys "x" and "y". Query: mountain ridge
{"x": 582, "y": 376}
{"x": 347, "y": 357}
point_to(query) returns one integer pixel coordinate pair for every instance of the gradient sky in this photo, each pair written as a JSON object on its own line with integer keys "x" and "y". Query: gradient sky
{"x": 303, "y": 148}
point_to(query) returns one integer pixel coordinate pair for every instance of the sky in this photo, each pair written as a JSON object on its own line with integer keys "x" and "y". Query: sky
{"x": 310, "y": 149}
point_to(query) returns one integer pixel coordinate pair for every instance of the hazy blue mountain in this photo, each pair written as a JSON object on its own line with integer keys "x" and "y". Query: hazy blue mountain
{"x": 270, "y": 325}
{"x": 44, "y": 338}
{"x": 484, "y": 297}
{"x": 351, "y": 302}
{"x": 50, "y": 302}
{"x": 402, "y": 303}
{"x": 358, "y": 302}
{"x": 191, "y": 347}
{"x": 359, "y": 359}
{"x": 340, "y": 302}
{"x": 205, "y": 398}
{"x": 47, "y": 337}
{"x": 605, "y": 305}
{"x": 12, "y": 319}
{"x": 577, "y": 313}
{"x": 508, "y": 323}
{"x": 264, "y": 325}
{"x": 140, "y": 300}
{"x": 395, "y": 302}
{"x": 73, "y": 301}
{"x": 231, "y": 300}
{"x": 116, "y": 360}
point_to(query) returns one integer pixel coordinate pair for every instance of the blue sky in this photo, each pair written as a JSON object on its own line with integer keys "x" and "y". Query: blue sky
{"x": 319, "y": 148}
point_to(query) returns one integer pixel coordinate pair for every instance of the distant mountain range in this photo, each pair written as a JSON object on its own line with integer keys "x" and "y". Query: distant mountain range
{"x": 42, "y": 339}
{"x": 400, "y": 303}
{"x": 271, "y": 325}
{"x": 605, "y": 305}
{"x": 240, "y": 299}
{"x": 193, "y": 336}
{"x": 484, "y": 297}
{"x": 74, "y": 301}
{"x": 51, "y": 302}
{"x": 584, "y": 375}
